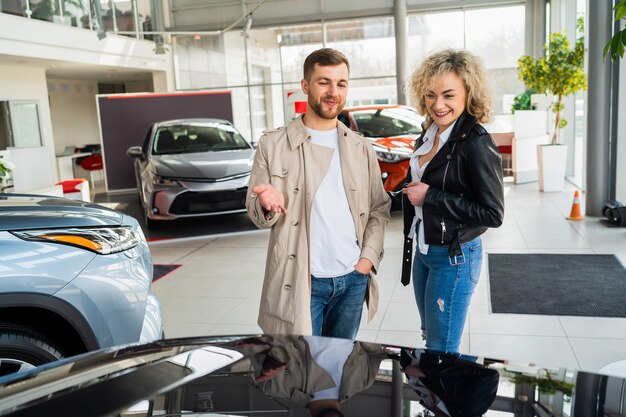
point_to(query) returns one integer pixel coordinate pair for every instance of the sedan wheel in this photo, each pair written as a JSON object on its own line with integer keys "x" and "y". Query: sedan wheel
{"x": 22, "y": 349}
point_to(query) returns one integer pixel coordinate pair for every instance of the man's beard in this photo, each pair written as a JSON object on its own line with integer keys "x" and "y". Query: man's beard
{"x": 316, "y": 106}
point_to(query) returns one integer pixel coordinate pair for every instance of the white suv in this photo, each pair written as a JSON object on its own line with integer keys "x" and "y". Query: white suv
{"x": 74, "y": 277}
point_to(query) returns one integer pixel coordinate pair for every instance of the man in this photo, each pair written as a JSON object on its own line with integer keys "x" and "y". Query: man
{"x": 317, "y": 185}
{"x": 315, "y": 372}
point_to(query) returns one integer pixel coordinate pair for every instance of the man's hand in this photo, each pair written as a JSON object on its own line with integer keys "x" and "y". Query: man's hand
{"x": 269, "y": 373}
{"x": 363, "y": 266}
{"x": 416, "y": 192}
{"x": 271, "y": 199}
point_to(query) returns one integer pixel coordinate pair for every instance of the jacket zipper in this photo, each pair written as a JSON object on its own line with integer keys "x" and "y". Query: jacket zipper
{"x": 443, "y": 188}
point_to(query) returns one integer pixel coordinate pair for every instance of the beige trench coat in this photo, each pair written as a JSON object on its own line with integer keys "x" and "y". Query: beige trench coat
{"x": 288, "y": 160}
{"x": 305, "y": 377}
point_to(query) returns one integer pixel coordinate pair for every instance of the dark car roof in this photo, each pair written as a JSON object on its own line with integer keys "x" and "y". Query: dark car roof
{"x": 244, "y": 373}
{"x": 26, "y": 211}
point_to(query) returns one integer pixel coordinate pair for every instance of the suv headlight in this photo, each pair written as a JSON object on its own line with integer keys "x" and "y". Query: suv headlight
{"x": 158, "y": 180}
{"x": 392, "y": 155}
{"x": 105, "y": 240}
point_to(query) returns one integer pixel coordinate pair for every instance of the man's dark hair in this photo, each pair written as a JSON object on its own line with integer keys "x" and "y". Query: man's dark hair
{"x": 329, "y": 412}
{"x": 325, "y": 57}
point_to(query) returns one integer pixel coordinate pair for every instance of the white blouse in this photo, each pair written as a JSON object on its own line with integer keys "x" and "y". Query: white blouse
{"x": 416, "y": 175}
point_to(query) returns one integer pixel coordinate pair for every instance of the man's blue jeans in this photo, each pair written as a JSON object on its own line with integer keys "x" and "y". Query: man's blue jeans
{"x": 337, "y": 304}
{"x": 443, "y": 292}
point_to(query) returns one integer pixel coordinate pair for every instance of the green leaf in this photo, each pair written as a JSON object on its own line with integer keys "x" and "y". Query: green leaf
{"x": 606, "y": 50}
{"x": 624, "y": 37}
{"x": 621, "y": 12}
{"x": 562, "y": 123}
{"x": 615, "y": 43}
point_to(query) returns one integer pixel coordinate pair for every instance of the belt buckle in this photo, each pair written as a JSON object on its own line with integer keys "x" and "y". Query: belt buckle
{"x": 457, "y": 260}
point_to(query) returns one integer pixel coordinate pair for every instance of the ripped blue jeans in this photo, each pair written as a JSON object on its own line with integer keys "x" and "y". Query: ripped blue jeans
{"x": 443, "y": 292}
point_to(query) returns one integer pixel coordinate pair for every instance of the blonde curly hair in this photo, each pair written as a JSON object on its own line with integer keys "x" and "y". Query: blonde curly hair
{"x": 464, "y": 64}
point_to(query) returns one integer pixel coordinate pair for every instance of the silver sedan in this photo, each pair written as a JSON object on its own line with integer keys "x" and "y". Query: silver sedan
{"x": 192, "y": 167}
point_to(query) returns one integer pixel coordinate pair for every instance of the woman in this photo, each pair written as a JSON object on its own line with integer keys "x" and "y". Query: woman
{"x": 455, "y": 192}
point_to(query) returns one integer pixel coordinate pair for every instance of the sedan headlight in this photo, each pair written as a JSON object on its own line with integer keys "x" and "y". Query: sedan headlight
{"x": 104, "y": 241}
{"x": 158, "y": 180}
{"x": 392, "y": 155}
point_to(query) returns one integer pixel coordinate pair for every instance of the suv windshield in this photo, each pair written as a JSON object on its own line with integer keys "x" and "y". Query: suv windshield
{"x": 379, "y": 123}
{"x": 192, "y": 138}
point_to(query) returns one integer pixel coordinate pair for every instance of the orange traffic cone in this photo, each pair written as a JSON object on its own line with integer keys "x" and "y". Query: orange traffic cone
{"x": 575, "y": 213}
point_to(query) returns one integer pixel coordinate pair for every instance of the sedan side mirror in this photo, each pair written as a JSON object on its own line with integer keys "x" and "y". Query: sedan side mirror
{"x": 135, "y": 152}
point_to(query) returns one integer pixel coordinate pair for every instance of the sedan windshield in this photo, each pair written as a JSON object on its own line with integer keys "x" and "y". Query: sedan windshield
{"x": 380, "y": 123}
{"x": 192, "y": 138}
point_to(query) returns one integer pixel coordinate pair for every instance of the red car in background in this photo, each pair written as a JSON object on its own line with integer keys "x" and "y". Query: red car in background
{"x": 393, "y": 130}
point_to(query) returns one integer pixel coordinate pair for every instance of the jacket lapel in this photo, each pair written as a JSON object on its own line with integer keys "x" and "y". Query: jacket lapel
{"x": 349, "y": 155}
{"x": 464, "y": 124}
{"x": 316, "y": 158}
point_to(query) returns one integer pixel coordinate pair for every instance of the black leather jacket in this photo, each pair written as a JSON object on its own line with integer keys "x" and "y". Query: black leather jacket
{"x": 466, "y": 193}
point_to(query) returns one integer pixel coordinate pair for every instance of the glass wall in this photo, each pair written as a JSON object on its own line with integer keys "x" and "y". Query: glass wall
{"x": 496, "y": 35}
{"x": 580, "y": 119}
{"x": 130, "y": 15}
{"x": 264, "y": 67}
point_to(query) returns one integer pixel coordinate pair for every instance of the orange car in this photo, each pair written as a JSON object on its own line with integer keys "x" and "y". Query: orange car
{"x": 393, "y": 130}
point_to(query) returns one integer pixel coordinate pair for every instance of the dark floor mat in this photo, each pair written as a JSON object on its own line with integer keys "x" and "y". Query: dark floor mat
{"x": 162, "y": 270}
{"x": 564, "y": 285}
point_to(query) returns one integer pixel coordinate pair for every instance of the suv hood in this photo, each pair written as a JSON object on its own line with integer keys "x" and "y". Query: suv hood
{"x": 23, "y": 211}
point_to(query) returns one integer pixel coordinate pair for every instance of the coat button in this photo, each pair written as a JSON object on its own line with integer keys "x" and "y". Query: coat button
{"x": 287, "y": 287}
{"x": 285, "y": 171}
{"x": 292, "y": 256}
{"x": 294, "y": 223}
{"x": 295, "y": 190}
{"x": 362, "y": 215}
{"x": 448, "y": 156}
{"x": 463, "y": 135}
{"x": 345, "y": 133}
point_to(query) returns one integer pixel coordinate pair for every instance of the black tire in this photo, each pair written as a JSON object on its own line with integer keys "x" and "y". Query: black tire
{"x": 22, "y": 348}
{"x": 150, "y": 224}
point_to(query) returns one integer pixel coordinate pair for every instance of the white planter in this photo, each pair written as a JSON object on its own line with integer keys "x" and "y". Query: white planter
{"x": 540, "y": 101}
{"x": 530, "y": 123}
{"x": 525, "y": 167}
{"x": 551, "y": 160}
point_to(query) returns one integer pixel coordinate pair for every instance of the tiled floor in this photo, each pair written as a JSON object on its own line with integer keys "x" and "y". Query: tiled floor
{"x": 217, "y": 289}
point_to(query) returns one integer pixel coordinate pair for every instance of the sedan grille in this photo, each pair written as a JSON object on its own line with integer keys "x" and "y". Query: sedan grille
{"x": 195, "y": 203}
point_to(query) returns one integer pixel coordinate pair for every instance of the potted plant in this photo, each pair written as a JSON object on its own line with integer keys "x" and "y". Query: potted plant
{"x": 616, "y": 46}
{"x": 522, "y": 101}
{"x": 559, "y": 73}
{"x": 5, "y": 170}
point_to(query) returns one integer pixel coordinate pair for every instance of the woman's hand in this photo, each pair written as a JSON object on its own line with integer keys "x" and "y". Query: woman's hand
{"x": 416, "y": 192}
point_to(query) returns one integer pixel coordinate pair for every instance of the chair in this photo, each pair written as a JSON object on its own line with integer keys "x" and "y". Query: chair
{"x": 183, "y": 142}
{"x": 90, "y": 164}
{"x": 76, "y": 189}
{"x": 166, "y": 142}
{"x": 504, "y": 141}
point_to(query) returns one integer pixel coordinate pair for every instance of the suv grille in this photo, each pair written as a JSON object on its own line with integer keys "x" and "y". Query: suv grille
{"x": 194, "y": 203}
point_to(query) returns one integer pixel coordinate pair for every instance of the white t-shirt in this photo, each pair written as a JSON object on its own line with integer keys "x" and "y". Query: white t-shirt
{"x": 331, "y": 354}
{"x": 417, "y": 171}
{"x": 334, "y": 246}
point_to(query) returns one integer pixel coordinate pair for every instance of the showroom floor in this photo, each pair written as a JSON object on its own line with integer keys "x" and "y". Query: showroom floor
{"x": 216, "y": 290}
